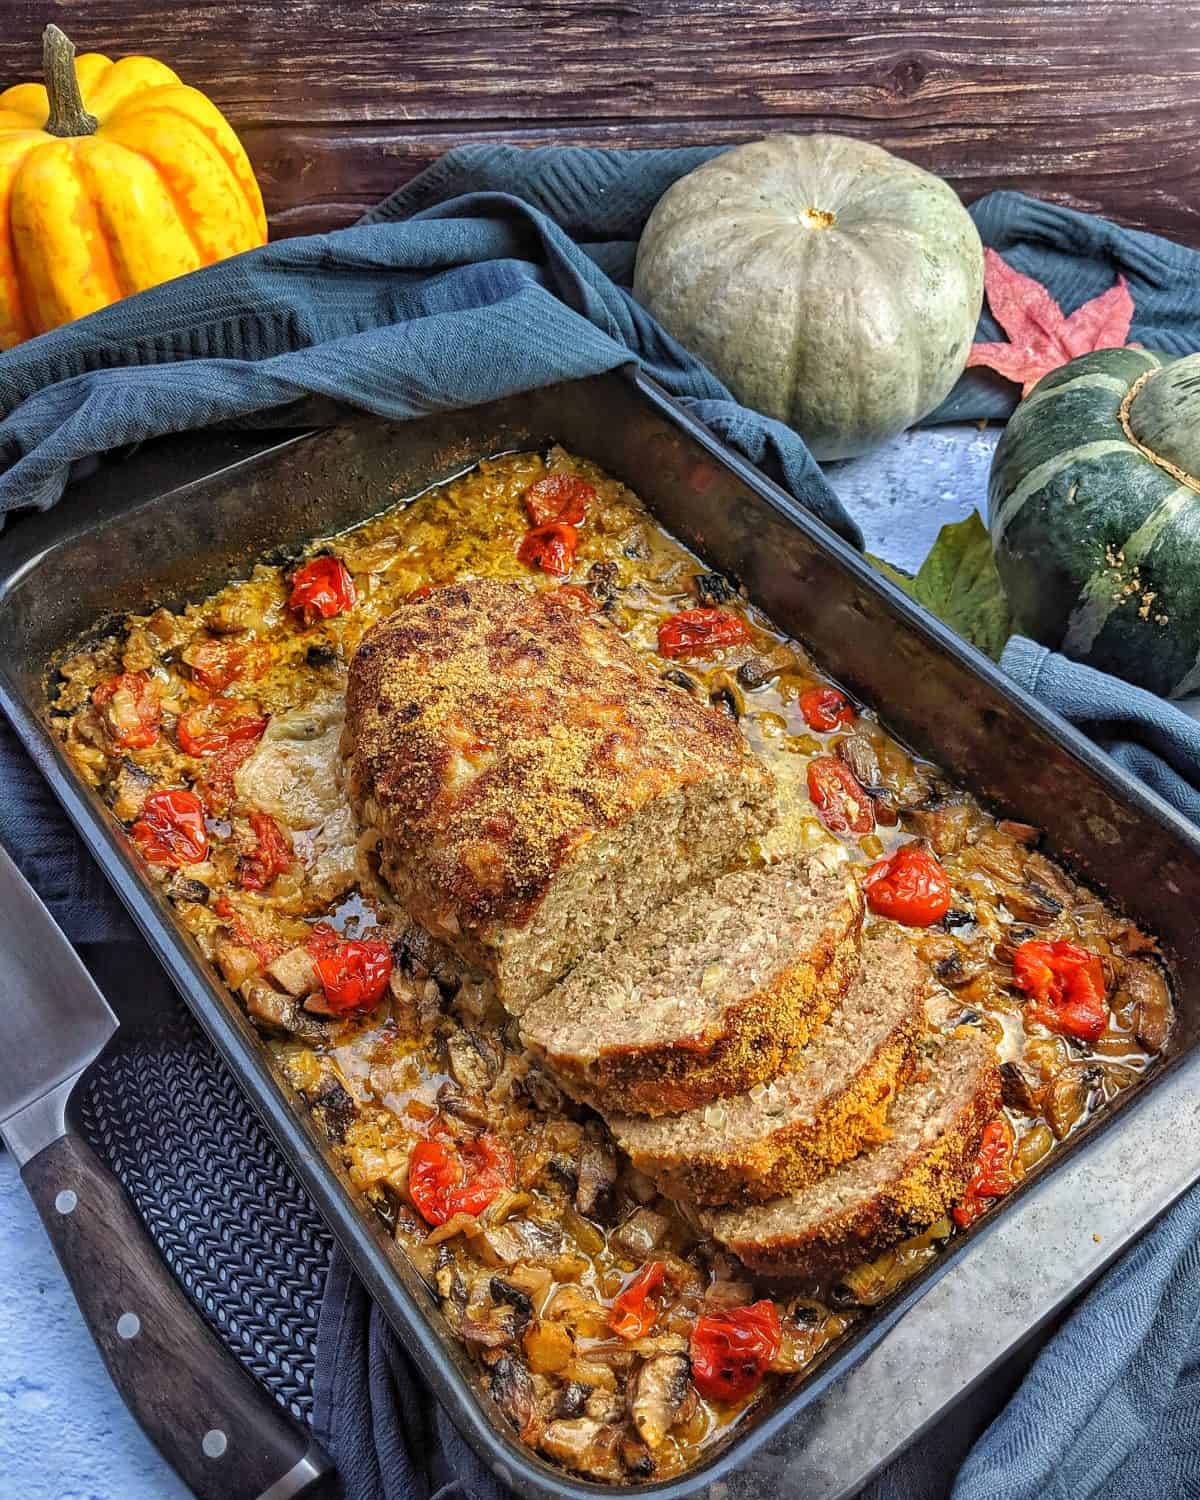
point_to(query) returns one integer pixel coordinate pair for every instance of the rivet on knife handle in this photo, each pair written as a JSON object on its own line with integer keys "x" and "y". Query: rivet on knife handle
{"x": 202, "y": 1410}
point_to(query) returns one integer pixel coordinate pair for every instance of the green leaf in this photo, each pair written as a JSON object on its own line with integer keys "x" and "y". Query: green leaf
{"x": 958, "y": 582}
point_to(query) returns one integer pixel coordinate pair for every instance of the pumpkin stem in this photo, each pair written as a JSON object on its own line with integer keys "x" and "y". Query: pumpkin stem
{"x": 67, "y": 114}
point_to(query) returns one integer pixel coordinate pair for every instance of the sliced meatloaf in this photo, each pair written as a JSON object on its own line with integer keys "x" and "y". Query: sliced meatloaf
{"x": 788, "y": 1133}
{"x": 534, "y": 783}
{"x": 711, "y": 994}
{"x": 895, "y": 1189}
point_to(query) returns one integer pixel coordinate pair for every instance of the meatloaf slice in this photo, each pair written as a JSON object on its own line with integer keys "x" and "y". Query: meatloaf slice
{"x": 786, "y": 1134}
{"x": 709, "y": 995}
{"x": 895, "y": 1189}
{"x": 534, "y": 782}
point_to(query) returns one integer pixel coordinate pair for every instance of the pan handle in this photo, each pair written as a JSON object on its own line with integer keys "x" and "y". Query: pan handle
{"x": 208, "y": 1418}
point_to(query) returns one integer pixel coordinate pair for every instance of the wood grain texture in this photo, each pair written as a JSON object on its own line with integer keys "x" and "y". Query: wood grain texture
{"x": 1087, "y": 102}
{"x": 209, "y": 1420}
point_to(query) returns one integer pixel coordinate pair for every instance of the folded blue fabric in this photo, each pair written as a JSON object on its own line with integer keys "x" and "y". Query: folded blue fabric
{"x": 496, "y": 271}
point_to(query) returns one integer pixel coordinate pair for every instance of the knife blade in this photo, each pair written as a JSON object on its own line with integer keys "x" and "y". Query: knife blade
{"x": 219, "y": 1430}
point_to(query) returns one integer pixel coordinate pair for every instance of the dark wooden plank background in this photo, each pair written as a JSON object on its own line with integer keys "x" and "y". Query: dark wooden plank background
{"x": 1094, "y": 103}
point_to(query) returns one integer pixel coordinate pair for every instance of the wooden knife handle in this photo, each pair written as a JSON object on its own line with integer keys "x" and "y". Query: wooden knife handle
{"x": 223, "y": 1435}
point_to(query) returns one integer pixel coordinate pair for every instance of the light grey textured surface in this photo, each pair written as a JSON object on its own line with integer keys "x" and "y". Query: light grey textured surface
{"x": 905, "y": 492}
{"x": 64, "y": 1434}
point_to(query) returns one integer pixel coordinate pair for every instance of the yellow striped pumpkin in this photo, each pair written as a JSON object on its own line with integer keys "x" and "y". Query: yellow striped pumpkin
{"x": 113, "y": 177}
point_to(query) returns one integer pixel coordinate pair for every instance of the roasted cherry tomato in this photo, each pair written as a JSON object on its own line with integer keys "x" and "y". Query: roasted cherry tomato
{"x": 551, "y": 548}
{"x": 214, "y": 783}
{"x": 1065, "y": 985}
{"x": 836, "y": 794}
{"x": 731, "y": 1350}
{"x": 994, "y": 1172}
{"x": 824, "y": 708}
{"x": 271, "y": 856}
{"x": 217, "y": 725}
{"x": 633, "y": 1314}
{"x": 354, "y": 972}
{"x": 910, "y": 886}
{"x": 322, "y": 589}
{"x": 130, "y": 710}
{"x": 448, "y": 1177}
{"x": 215, "y": 664}
{"x": 700, "y": 632}
{"x": 558, "y": 497}
{"x": 171, "y": 829}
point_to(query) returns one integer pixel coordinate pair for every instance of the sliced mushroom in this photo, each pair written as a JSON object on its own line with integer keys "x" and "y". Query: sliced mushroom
{"x": 859, "y": 754}
{"x": 572, "y": 1399}
{"x": 714, "y": 588}
{"x": 605, "y": 1405}
{"x": 131, "y": 786}
{"x": 1031, "y": 902}
{"x": 725, "y": 694}
{"x": 682, "y": 679}
{"x": 1070, "y": 1096}
{"x": 295, "y": 971}
{"x": 268, "y": 1006}
{"x": 1147, "y": 985}
{"x": 543, "y": 1093}
{"x": 462, "y": 1109}
{"x": 500, "y": 1329}
{"x": 945, "y": 825}
{"x": 602, "y": 581}
{"x": 236, "y": 962}
{"x": 597, "y": 1174}
{"x": 419, "y": 955}
{"x": 520, "y": 1239}
{"x": 636, "y": 1458}
{"x": 183, "y": 888}
{"x": 1051, "y": 878}
{"x": 583, "y": 1444}
{"x": 1020, "y": 833}
{"x": 335, "y": 1106}
{"x": 1016, "y": 1089}
{"x": 754, "y": 672}
{"x": 1006, "y": 947}
{"x": 659, "y": 1391}
{"x": 516, "y": 1297}
{"x": 451, "y": 1288}
{"x": 642, "y": 1233}
{"x": 472, "y": 1059}
{"x": 512, "y": 1391}
{"x": 952, "y": 965}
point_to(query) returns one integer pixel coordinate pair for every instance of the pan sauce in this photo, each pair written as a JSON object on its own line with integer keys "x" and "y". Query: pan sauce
{"x": 530, "y": 1283}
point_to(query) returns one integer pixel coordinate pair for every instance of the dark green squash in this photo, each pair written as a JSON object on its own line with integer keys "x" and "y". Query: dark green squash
{"x": 1094, "y": 511}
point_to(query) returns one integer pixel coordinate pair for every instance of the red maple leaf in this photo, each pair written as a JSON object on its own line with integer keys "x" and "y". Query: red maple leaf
{"x": 1041, "y": 336}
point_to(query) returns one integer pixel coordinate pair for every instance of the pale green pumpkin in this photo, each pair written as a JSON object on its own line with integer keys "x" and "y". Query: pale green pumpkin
{"x": 1094, "y": 510}
{"x": 825, "y": 281}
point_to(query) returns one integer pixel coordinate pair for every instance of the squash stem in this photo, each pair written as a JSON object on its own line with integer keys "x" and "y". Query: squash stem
{"x": 67, "y": 114}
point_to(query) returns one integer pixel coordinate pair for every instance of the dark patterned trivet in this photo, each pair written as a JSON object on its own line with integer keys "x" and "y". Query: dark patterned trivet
{"x": 230, "y": 1219}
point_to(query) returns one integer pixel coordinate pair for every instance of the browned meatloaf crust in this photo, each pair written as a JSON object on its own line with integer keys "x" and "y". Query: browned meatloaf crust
{"x": 709, "y": 995}
{"x": 896, "y": 1189}
{"x": 535, "y": 783}
{"x": 783, "y": 1135}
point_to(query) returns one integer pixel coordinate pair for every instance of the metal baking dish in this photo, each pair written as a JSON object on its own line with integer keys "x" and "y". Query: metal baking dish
{"x": 133, "y": 537}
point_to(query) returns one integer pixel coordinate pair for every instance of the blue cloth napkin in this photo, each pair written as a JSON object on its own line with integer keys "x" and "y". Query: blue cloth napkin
{"x": 496, "y": 271}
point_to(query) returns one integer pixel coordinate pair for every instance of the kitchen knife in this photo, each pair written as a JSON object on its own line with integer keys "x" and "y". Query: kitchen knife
{"x": 223, "y": 1435}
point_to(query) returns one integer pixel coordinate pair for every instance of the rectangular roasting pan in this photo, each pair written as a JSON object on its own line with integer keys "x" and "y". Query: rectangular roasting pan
{"x": 181, "y": 517}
